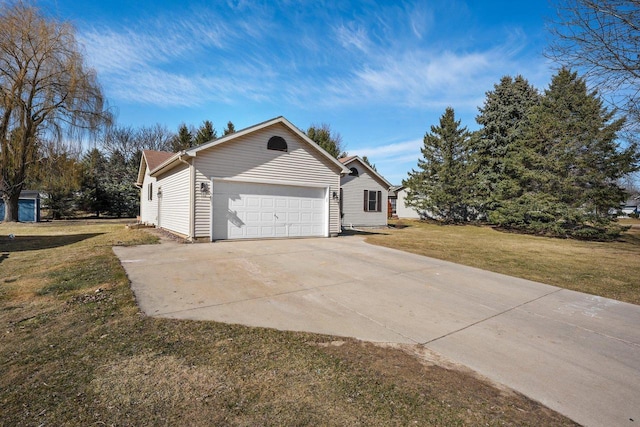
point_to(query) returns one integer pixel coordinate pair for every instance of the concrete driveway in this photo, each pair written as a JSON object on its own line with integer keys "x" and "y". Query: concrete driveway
{"x": 576, "y": 353}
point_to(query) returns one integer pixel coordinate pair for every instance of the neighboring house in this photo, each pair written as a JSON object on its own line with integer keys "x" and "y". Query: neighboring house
{"x": 28, "y": 207}
{"x": 364, "y": 195}
{"x": 631, "y": 206}
{"x": 400, "y": 210}
{"x": 268, "y": 180}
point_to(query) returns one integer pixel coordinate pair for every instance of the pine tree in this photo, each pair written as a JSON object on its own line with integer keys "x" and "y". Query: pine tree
{"x": 368, "y": 162}
{"x": 229, "y": 129}
{"x": 439, "y": 188}
{"x": 569, "y": 164}
{"x": 205, "y": 133}
{"x": 330, "y": 141}
{"x": 183, "y": 140}
{"x": 502, "y": 117}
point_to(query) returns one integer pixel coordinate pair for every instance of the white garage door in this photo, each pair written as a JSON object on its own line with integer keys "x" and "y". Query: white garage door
{"x": 250, "y": 210}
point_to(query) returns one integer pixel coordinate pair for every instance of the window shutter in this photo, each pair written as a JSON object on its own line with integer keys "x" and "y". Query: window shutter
{"x": 379, "y": 200}
{"x": 366, "y": 200}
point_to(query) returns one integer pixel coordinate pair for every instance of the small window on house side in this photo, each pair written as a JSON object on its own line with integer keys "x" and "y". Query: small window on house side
{"x": 277, "y": 143}
{"x": 150, "y": 191}
{"x": 354, "y": 172}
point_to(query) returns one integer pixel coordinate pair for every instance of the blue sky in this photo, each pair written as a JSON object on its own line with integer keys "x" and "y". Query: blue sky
{"x": 379, "y": 73}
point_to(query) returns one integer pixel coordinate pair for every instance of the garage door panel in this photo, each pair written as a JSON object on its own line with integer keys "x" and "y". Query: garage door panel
{"x": 251, "y": 210}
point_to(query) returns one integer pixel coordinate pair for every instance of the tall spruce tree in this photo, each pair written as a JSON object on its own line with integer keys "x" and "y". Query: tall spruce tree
{"x": 440, "y": 187}
{"x": 502, "y": 119}
{"x": 229, "y": 129}
{"x": 330, "y": 141}
{"x": 205, "y": 133}
{"x": 568, "y": 165}
{"x": 183, "y": 140}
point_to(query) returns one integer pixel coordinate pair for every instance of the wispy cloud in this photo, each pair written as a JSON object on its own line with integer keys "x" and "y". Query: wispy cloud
{"x": 383, "y": 58}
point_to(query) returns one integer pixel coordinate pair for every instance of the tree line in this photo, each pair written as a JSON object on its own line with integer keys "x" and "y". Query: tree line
{"x": 101, "y": 180}
{"x": 546, "y": 163}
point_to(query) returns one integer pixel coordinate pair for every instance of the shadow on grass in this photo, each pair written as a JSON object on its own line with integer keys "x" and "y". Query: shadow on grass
{"x": 351, "y": 232}
{"x": 32, "y": 243}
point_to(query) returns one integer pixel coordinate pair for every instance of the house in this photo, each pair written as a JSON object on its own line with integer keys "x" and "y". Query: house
{"x": 631, "y": 206}
{"x": 268, "y": 180}
{"x": 398, "y": 196}
{"x": 28, "y": 207}
{"x": 363, "y": 195}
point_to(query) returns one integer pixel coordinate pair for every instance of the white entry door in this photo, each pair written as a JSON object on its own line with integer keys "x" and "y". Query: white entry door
{"x": 244, "y": 210}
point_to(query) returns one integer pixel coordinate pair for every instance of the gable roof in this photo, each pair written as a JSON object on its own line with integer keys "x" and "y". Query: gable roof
{"x": 151, "y": 159}
{"x": 172, "y": 161}
{"x": 348, "y": 160}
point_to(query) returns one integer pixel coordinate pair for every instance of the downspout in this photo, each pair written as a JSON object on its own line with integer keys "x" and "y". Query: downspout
{"x": 192, "y": 190}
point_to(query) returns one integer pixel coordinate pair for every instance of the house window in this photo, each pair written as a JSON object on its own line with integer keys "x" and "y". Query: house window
{"x": 150, "y": 191}
{"x": 393, "y": 203}
{"x": 372, "y": 201}
{"x": 277, "y": 143}
{"x": 354, "y": 172}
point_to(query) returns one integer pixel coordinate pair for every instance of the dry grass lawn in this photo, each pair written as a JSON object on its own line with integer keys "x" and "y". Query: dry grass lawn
{"x": 76, "y": 351}
{"x": 608, "y": 269}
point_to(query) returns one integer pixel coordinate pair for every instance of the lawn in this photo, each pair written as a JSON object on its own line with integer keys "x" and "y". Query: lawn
{"x": 608, "y": 269}
{"x": 77, "y": 351}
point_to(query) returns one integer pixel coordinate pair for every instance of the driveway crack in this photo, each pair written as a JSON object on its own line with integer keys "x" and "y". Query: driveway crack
{"x": 371, "y": 319}
{"x": 490, "y": 317}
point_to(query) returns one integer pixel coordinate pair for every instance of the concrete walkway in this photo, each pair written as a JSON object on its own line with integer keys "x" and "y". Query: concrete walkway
{"x": 576, "y": 353}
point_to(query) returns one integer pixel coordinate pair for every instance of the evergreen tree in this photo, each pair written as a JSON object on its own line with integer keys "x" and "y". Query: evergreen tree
{"x": 371, "y": 165}
{"x": 502, "y": 119}
{"x": 569, "y": 164}
{"x": 229, "y": 129}
{"x": 205, "y": 133}
{"x": 439, "y": 188}
{"x": 330, "y": 141}
{"x": 93, "y": 194}
{"x": 183, "y": 140}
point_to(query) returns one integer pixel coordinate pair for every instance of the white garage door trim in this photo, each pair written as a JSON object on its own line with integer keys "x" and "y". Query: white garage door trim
{"x": 252, "y": 209}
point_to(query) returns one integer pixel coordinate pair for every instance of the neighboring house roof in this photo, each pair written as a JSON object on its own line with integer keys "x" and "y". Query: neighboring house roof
{"x": 151, "y": 159}
{"x": 348, "y": 160}
{"x": 175, "y": 159}
{"x": 393, "y": 190}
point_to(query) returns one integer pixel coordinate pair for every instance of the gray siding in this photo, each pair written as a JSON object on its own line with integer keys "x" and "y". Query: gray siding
{"x": 247, "y": 158}
{"x": 174, "y": 209}
{"x": 353, "y": 199}
{"x": 402, "y": 210}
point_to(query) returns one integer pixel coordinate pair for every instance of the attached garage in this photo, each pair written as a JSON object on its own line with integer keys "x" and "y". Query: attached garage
{"x": 266, "y": 181}
{"x": 248, "y": 210}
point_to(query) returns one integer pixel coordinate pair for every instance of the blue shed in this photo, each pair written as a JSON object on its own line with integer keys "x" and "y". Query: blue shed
{"x": 28, "y": 207}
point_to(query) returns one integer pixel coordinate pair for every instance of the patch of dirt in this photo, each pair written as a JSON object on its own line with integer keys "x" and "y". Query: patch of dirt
{"x": 432, "y": 377}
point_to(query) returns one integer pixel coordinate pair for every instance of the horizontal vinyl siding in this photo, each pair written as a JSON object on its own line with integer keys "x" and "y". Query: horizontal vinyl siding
{"x": 149, "y": 208}
{"x": 353, "y": 200}
{"x": 402, "y": 210}
{"x": 174, "y": 206}
{"x": 247, "y": 158}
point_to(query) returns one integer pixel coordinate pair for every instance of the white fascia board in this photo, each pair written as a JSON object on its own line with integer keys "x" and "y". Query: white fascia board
{"x": 170, "y": 163}
{"x": 194, "y": 151}
{"x": 370, "y": 169}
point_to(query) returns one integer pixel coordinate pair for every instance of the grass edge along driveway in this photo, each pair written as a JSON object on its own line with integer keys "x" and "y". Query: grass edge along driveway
{"x": 77, "y": 351}
{"x": 607, "y": 269}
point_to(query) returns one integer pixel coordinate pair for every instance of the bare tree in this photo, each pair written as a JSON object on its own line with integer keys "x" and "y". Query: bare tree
{"x": 156, "y": 137}
{"x": 46, "y": 93}
{"x": 601, "y": 38}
